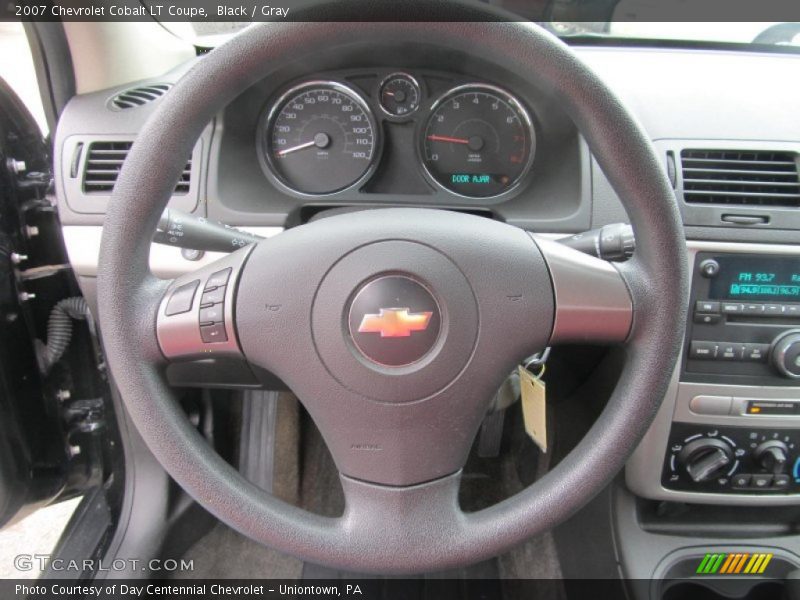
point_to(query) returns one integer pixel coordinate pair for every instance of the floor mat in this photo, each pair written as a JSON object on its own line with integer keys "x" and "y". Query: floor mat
{"x": 226, "y": 553}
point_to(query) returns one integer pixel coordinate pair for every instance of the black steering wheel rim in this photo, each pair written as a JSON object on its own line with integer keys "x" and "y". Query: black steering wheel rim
{"x": 422, "y": 528}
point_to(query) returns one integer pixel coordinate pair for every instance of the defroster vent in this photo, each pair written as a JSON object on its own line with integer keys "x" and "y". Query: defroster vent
{"x": 740, "y": 177}
{"x": 139, "y": 96}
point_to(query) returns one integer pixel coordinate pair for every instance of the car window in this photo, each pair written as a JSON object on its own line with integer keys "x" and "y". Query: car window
{"x": 16, "y": 68}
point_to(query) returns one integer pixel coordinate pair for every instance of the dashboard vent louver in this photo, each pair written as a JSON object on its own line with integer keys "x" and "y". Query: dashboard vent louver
{"x": 139, "y": 96}
{"x": 741, "y": 177}
{"x": 103, "y": 162}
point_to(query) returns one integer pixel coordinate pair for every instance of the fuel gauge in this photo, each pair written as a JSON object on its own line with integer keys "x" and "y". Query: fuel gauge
{"x": 399, "y": 95}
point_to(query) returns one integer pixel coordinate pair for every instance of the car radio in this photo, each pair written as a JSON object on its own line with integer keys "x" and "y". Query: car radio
{"x": 745, "y": 323}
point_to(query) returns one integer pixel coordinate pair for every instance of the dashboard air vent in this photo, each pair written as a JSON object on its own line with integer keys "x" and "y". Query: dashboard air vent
{"x": 741, "y": 177}
{"x": 103, "y": 162}
{"x": 139, "y": 96}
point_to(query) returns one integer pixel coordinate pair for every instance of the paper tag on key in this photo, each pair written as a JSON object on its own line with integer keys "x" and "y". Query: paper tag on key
{"x": 534, "y": 407}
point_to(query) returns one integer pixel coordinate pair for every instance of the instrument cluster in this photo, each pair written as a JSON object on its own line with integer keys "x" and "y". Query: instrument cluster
{"x": 322, "y": 136}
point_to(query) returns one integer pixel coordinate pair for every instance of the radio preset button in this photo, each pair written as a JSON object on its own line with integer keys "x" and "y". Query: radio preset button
{"x": 753, "y": 310}
{"x": 773, "y": 310}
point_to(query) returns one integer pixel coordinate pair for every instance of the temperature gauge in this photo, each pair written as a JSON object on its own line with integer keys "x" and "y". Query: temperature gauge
{"x": 399, "y": 95}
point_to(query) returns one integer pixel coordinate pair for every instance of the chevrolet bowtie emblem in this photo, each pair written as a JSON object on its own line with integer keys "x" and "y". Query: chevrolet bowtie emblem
{"x": 395, "y": 322}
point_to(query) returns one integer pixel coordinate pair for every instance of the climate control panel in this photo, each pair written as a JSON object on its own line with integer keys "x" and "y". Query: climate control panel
{"x": 735, "y": 460}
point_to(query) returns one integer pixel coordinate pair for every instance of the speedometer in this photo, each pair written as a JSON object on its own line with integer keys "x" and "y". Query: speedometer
{"x": 478, "y": 141}
{"x": 321, "y": 138}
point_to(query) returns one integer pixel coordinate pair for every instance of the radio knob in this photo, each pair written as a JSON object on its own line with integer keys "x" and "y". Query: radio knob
{"x": 705, "y": 458}
{"x": 772, "y": 455}
{"x": 786, "y": 353}
{"x": 709, "y": 268}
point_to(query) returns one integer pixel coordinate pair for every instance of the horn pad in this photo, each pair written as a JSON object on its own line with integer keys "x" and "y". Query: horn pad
{"x": 395, "y": 321}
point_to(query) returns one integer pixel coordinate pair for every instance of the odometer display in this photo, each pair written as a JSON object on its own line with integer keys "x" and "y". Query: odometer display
{"x": 321, "y": 138}
{"x": 478, "y": 141}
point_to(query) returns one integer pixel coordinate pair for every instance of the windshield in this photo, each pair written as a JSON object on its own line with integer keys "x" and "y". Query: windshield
{"x": 780, "y": 34}
{"x": 764, "y": 33}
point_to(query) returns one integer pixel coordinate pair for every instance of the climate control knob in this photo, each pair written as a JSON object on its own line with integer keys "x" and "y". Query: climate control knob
{"x": 772, "y": 455}
{"x": 786, "y": 353}
{"x": 705, "y": 458}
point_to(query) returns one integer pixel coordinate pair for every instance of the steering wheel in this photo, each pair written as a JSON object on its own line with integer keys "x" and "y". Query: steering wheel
{"x": 394, "y": 327}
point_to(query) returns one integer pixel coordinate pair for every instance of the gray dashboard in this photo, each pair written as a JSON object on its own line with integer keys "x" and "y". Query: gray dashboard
{"x": 686, "y": 100}
{"x": 681, "y": 97}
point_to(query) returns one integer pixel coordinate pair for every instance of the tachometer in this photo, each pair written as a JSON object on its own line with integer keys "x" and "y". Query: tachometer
{"x": 321, "y": 138}
{"x": 478, "y": 141}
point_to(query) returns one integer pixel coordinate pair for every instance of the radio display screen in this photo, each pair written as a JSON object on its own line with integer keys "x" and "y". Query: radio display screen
{"x": 765, "y": 278}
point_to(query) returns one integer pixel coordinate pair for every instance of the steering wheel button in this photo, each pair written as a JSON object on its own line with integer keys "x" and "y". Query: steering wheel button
{"x": 212, "y": 314}
{"x": 181, "y": 299}
{"x": 215, "y": 296}
{"x": 218, "y": 279}
{"x": 213, "y": 333}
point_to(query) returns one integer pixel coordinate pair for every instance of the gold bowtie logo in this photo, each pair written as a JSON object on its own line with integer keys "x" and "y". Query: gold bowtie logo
{"x": 395, "y": 322}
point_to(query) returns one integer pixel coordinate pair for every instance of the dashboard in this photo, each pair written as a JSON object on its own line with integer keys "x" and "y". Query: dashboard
{"x": 398, "y": 126}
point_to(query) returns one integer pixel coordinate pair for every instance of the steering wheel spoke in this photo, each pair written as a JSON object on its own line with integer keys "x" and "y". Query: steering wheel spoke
{"x": 412, "y": 517}
{"x": 592, "y": 300}
{"x": 196, "y": 313}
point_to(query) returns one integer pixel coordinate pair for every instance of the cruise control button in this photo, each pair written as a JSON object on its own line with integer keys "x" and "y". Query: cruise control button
{"x": 780, "y": 481}
{"x": 214, "y": 296}
{"x": 706, "y": 306}
{"x": 741, "y": 481}
{"x": 213, "y": 333}
{"x": 212, "y": 314}
{"x": 220, "y": 278}
{"x": 703, "y": 350}
{"x": 181, "y": 299}
{"x": 760, "y": 481}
